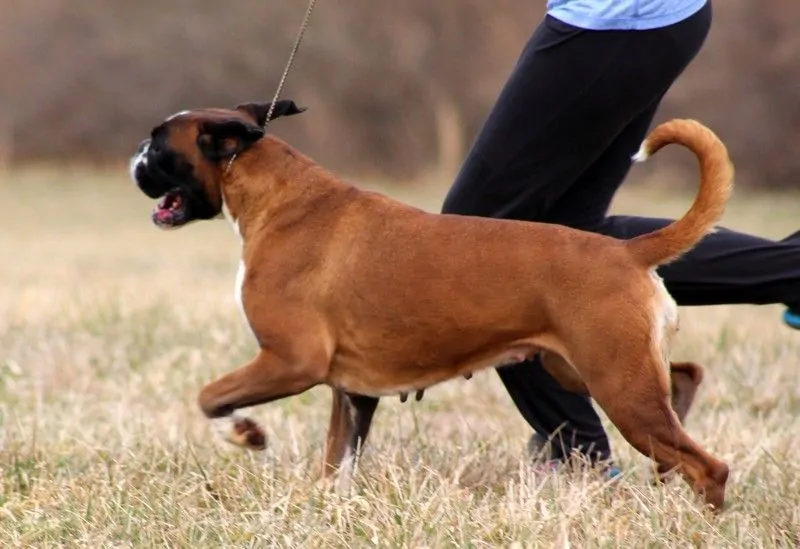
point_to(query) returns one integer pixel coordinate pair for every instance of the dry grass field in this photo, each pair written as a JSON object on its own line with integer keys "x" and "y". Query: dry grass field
{"x": 109, "y": 327}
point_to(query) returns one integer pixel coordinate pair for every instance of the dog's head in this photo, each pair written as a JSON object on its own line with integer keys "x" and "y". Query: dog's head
{"x": 183, "y": 160}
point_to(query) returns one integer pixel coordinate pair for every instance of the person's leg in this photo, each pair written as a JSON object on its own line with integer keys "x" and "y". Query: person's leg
{"x": 727, "y": 267}
{"x": 571, "y": 96}
{"x": 567, "y": 420}
{"x": 563, "y": 422}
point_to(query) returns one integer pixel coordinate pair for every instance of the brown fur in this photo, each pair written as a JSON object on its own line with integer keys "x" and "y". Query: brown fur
{"x": 668, "y": 244}
{"x": 351, "y": 418}
{"x": 372, "y": 297}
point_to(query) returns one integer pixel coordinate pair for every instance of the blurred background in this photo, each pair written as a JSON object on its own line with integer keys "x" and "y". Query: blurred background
{"x": 395, "y": 90}
{"x": 109, "y": 326}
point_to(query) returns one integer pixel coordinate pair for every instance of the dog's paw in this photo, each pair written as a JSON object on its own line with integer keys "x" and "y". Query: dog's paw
{"x": 241, "y": 431}
{"x": 336, "y": 482}
{"x": 325, "y": 485}
{"x": 249, "y": 434}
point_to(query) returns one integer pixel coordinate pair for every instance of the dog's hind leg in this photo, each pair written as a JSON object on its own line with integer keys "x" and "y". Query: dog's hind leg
{"x": 636, "y": 398}
{"x": 685, "y": 379}
{"x": 351, "y": 418}
{"x": 265, "y": 379}
{"x": 563, "y": 372}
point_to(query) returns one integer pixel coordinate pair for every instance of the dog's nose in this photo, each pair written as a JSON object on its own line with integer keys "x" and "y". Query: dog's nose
{"x": 143, "y": 146}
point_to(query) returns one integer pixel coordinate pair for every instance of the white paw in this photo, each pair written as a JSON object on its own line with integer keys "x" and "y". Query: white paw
{"x": 240, "y": 431}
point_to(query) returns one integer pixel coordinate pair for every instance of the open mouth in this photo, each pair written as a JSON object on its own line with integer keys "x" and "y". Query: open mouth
{"x": 172, "y": 210}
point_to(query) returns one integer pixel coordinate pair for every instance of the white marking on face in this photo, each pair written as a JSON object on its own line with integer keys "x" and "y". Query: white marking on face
{"x": 176, "y": 115}
{"x": 136, "y": 160}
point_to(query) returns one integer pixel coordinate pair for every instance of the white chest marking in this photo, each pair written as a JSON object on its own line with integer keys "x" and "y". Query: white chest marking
{"x": 241, "y": 271}
{"x": 237, "y": 290}
{"x": 227, "y": 213}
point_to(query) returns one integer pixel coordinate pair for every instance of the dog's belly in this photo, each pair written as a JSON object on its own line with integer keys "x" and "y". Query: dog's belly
{"x": 366, "y": 380}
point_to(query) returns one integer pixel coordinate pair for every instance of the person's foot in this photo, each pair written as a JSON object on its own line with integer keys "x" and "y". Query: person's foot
{"x": 539, "y": 448}
{"x": 540, "y": 451}
{"x": 791, "y": 317}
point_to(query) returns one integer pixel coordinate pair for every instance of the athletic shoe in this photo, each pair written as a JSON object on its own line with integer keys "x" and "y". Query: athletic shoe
{"x": 791, "y": 317}
{"x": 539, "y": 450}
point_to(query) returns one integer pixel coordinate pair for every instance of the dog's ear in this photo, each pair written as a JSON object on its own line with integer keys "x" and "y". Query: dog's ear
{"x": 259, "y": 111}
{"x": 221, "y": 140}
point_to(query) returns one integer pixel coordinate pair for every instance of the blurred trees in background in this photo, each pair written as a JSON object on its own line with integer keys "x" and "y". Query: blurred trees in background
{"x": 394, "y": 89}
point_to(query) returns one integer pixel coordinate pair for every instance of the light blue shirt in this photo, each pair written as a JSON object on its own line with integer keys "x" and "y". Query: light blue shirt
{"x": 622, "y": 14}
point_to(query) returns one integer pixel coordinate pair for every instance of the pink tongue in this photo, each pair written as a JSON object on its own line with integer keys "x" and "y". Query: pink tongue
{"x": 163, "y": 213}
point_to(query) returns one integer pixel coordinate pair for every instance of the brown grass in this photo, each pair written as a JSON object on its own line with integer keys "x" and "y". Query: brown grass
{"x": 109, "y": 327}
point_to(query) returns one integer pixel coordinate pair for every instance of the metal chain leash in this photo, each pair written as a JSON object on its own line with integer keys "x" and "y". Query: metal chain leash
{"x": 296, "y": 46}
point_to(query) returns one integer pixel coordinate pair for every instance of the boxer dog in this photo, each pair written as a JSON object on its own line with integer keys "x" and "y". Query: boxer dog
{"x": 349, "y": 288}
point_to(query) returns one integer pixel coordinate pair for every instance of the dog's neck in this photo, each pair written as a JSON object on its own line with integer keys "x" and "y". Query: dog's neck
{"x": 264, "y": 178}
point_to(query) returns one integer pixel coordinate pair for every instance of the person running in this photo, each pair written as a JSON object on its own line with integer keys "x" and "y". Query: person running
{"x": 557, "y": 145}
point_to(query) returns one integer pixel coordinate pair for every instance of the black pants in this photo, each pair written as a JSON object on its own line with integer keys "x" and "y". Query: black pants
{"x": 555, "y": 148}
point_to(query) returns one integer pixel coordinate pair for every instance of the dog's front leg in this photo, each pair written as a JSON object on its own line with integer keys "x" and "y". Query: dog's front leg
{"x": 266, "y": 378}
{"x": 351, "y": 418}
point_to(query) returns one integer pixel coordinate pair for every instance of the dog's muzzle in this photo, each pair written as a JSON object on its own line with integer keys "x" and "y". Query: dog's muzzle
{"x": 139, "y": 173}
{"x": 153, "y": 171}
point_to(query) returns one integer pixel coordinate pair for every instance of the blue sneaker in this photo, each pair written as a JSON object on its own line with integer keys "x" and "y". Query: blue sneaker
{"x": 612, "y": 472}
{"x": 791, "y": 317}
{"x": 551, "y": 466}
{"x": 538, "y": 448}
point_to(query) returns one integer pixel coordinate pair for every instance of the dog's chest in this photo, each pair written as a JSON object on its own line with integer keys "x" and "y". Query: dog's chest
{"x": 241, "y": 272}
{"x": 238, "y": 290}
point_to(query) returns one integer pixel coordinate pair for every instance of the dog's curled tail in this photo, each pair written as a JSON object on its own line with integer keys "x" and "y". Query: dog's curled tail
{"x": 716, "y": 184}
